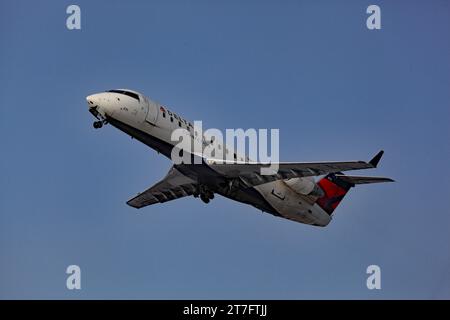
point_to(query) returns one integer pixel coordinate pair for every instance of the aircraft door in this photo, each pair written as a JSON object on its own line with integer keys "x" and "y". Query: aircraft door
{"x": 152, "y": 111}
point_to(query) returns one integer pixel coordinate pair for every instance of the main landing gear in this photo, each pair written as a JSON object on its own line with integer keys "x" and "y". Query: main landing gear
{"x": 205, "y": 194}
{"x": 99, "y": 124}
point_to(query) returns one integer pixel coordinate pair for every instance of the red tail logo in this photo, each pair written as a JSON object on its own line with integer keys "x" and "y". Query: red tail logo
{"x": 334, "y": 190}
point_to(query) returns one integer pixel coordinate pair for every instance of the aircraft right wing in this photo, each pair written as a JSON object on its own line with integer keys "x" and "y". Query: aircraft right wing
{"x": 250, "y": 173}
{"x": 174, "y": 185}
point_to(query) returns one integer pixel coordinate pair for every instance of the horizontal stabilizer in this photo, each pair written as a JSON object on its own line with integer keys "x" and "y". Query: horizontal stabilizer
{"x": 362, "y": 179}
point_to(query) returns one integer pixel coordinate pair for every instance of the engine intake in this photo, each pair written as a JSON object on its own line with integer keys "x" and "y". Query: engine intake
{"x": 305, "y": 186}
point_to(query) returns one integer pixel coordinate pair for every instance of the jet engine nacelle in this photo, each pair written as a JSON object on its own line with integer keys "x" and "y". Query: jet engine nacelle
{"x": 305, "y": 186}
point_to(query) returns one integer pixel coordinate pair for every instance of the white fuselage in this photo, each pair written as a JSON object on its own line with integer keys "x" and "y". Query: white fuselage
{"x": 144, "y": 119}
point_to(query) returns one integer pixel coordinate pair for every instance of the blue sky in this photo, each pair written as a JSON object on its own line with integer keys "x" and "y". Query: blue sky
{"x": 336, "y": 91}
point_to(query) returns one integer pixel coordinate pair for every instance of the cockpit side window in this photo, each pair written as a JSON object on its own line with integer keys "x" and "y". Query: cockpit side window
{"x": 127, "y": 93}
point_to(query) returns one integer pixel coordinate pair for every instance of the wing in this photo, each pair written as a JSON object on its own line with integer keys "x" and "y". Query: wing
{"x": 174, "y": 185}
{"x": 250, "y": 173}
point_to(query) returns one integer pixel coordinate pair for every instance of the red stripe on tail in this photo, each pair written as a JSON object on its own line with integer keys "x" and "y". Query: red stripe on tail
{"x": 335, "y": 190}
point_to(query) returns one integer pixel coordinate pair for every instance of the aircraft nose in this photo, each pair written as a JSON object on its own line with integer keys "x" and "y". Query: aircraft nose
{"x": 100, "y": 103}
{"x": 91, "y": 101}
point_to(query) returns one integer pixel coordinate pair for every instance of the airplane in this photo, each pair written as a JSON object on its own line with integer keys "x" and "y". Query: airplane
{"x": 292, "y": 192}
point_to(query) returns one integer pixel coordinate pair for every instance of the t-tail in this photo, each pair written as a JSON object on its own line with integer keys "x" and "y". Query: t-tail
{"x": 336, "y": 185}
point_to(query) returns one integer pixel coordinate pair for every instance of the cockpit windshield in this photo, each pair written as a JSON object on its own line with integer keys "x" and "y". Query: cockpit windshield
{"x": 127, "y": 93}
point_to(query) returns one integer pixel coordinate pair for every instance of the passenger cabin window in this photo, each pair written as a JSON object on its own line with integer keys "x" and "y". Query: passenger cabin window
{"x": 164, "y": 114}
{"x": 127, "y": 93}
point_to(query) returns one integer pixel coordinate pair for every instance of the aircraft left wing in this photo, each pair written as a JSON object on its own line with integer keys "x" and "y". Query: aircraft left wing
{"x": 174, "y": 185}
{"x": 250, "y": 173}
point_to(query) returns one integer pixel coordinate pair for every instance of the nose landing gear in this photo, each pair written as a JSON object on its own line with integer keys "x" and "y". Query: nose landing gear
{"x": 99, "y": 124}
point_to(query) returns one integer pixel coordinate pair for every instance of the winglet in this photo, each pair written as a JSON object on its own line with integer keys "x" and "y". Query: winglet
{"x": 376, "y": 159}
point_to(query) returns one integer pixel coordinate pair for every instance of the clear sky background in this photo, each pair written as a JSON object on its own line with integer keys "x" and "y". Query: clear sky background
{"x": 336, "y": 91}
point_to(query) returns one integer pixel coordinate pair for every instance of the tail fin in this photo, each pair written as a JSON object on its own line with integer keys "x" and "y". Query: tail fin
{"x": 334, "y": 189}
{"x": 336, "y": 185}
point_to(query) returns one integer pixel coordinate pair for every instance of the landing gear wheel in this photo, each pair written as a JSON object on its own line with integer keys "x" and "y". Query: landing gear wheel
{"x": 204, "y": 198}
{"x": 98, "y": 124}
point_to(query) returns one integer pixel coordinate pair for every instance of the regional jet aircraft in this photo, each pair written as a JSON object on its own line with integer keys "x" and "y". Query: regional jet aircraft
{"x": 292, "y": 192}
